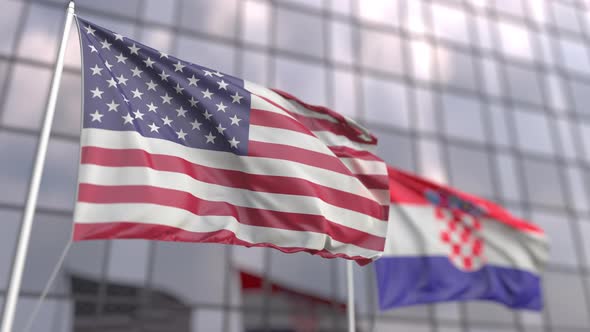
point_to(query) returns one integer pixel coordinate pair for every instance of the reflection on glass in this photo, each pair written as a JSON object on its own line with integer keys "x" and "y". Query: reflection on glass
{"x": 470, "y": 170}
{"x": 215, "y": 17}
{"x": 449, "y": 23}
{"x": 575, "y": 56}
{"x": 565, "y": 300}
{"x": 385, "y": 102}
{"x": 380, "y": 11}
{"x": 456, "y": 68}
{"x": 381, "y": 51}
{"x": 255, "y": 23}
{"x": 463, "y": 118}
{"x": 305, "y": 80}
{"x": 533, "y": 130}
{"x": 515, "y": 40}
{"x": 300, "y": 33}
{"x": 542, "y": 183}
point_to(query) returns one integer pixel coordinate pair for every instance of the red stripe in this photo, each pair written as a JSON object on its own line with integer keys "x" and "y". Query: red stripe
{"x": 229, "y": 178}
{"x": 249, "y": 216}
{"x": 346, "y": 152}
{"x": 132, "y": 230}
{"x": 406, "y": 188}
{"x": 299, "y": 155}
{"x": 275, "y": 120}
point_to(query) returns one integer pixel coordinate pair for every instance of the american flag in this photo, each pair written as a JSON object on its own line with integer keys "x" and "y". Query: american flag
{"x": 175, "y": 151}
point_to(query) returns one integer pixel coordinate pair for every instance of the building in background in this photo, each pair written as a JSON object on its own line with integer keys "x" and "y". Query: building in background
{"x": 492, "y": 97}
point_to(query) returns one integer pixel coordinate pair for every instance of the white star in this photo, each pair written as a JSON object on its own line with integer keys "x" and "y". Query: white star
{"x": 96, "y": 116}
{"x": 97, "y": 93}
{"x": 222, "y": 85}
{"x": 167, "y": 121}
{"x": 210, "y": 138}
{"x": 96, "y": 70}
{"x": 89, "y": 30}
{"x": 128, "y": 118}
{"x": 121, "y": 58}
{"x": 92, "y": 49}
{"x": 207, "y": 115}
{"x": 218, "y": 74}
{"x": 163, "y": 55}
{"x": 112, "y": 82}
{"x": 192, "y": 80}
{"x": 125, "y": 99}
{"x": 207, "y": 94}
{"x": 178, "y": 88}
{"x": 233, "y": 143}
{"x": 136, "y": 72}
{"x": 151, "y": 85}
{"x": 153, "y": 127}
{"x": 181, "y": 134}
{"x": 137, "y": 94}
{"x": 118, "y": 36}
{"x": 181, "y": 112}
{"x": 220, "y": 129}
{"x": 113, "y": 106}
{"x": 122, "y": 80}
{"x": 236, "y": 98}
{"x": 208, "y": 73}
{"x": 166, "y": 99}
{"x": 152, "y": 107}
{"x": 164, "y": 76}
{"x": 221, "y": 107}
{"x": 148, "y": 62}
{"x": 138, "y": 115}
{"x": 109, "y": 66}
{"x": 235, "y": 120}
{"x": 178, "y": 67}
{"x": 196, "y": 124}
{"x": 105, "y": 44}
{"x": 133, "y": 49}
{"x": 193, "y": 101}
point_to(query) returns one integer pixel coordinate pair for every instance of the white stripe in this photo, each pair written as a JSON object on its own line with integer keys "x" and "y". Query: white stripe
{"x": 121, "y": 176}
{"x": 179, "y": 218}
{"x": 362, "y": 166}
{"x": 290, "y": 138}
{"x": 414, "y": 232}
{"x": 331, "y": 139}
{"x": 253, "y": 165}
{"x": 286, "y": 104}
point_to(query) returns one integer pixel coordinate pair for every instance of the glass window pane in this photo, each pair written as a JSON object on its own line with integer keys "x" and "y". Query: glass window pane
{"x": 456, "y": 68}
{"x": 581, "y": 96}
{"x": 565, "y": 17}
{"x": 515, "y": 40}
{"x": 565, "y": 300}
{"x": 422, "y": 58}
{"x": 159, "y": 39}
{"x": 343, "y": 83}
{"x": 426, "y": 116}
{"x": 500, "y": 132}
{"x": 54, "y": 315}
{"x": 304, "y": 80}
{"x": 396, "y": 150}
{"x": 556, "y": 96}
{"x": 463, "y": 117}
{"x": 414, "y": 19}
{"x": 487, "y": 312}
{"x": 575, "y": 56}
{"x": 58, "y": 185}
{"x": 585, "y": 233}
{"x": 27, "y": 96}
{"x": 380, "y": 11}
{"x": 385, "y": 102}
{"x": 509, "y": 183}
{"x": 9, "y": 16}
{"x": 341, "y": 6}
{"x": 256, "y": 22}
{"x": 538, "y": 11}
{"x": 67, "y": 113}
{"x": 159, "y": 11}
{"x": 484, "y": 36}
{"x": 542, "y": 182}
{"x": 524, "y": 84}
{"x": 207, "y": 53}
{"x": 381, "y": 51}
{"x": 532, "y": 129}
{"x": 449, "y": 23}
{"x": 113, "y": 6}
{"x": 567, "y": 148}
{"x": 128, "y": 261}
{"x": 511, "y": 7}
{"x": 16, "y": 170}
{"x": 300, "y": 33}
{"x": 558, "y": 228}
{"x": 9, "y": 228}
{"x": 254, "y": 67}
{"x": 547, "y": 45}
{"x": 216, "y": 17}
{"x": 490, "y": 77}
{"x": 39, "y": 38}
{"x": 430, "y": 161}
{"x": 577, "y": 180}
{"x": 470, "y": 170}
{"x": 585, "y": 134}
{"x": 341, "y": 48}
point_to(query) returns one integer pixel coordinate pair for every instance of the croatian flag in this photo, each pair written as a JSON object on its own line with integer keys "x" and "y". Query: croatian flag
{"x": 445, "y": 245}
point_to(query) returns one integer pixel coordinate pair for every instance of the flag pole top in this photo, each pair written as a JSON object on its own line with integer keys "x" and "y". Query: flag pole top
{"x": 71, "y": 6}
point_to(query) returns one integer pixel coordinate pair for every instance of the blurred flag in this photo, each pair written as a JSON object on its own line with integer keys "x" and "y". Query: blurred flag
{"x": 445, "y": 245}
{"x": 179, "y": 152}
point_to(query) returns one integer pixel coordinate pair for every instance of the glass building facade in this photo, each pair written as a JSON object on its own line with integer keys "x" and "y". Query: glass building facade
{"x": 492, "y": 97}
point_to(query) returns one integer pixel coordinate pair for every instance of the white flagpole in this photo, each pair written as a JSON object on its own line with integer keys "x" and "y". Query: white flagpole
{"x": 350, "y": 288}
{"x": 27, "y": 220}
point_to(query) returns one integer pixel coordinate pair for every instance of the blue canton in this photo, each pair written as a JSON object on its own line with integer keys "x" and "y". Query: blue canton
{"x": 131, "y": 87}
